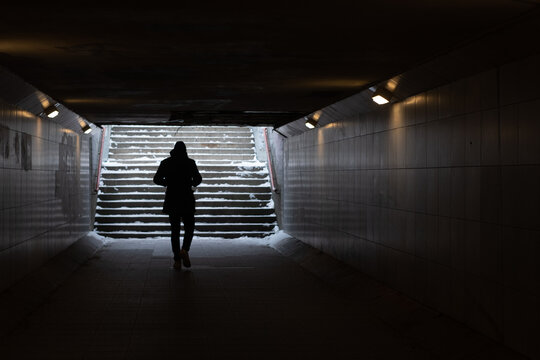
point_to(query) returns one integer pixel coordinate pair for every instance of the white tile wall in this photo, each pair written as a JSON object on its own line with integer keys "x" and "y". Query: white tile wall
{"x": 438, "y": 196}
{"x": 34, "y": 224}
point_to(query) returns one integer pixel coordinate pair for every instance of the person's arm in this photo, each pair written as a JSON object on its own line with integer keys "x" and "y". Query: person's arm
{"x": 196, "y": 178}
{"x": 159, "y": 177}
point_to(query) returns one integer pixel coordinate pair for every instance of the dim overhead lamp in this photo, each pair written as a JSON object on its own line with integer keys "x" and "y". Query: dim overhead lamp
{"x": 381, "y": 96}
{"x": 311, "y": 122}
{"x": 51, "y": 111}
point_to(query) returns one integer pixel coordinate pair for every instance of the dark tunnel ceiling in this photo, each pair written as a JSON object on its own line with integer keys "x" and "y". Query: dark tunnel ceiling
{"x": 139, "y": 64}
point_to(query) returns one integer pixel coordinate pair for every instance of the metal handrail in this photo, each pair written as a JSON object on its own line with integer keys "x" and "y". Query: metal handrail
{"x": 269, "y": 160}
{"x": 100, "y": 158}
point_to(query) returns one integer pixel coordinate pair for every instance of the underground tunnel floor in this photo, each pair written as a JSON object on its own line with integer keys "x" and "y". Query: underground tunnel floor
{"x": 240, "y": 300}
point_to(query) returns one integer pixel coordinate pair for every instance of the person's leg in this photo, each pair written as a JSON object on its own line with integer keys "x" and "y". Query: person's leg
{"x": 175, "y": 235}
{"x": 189, "y": 228}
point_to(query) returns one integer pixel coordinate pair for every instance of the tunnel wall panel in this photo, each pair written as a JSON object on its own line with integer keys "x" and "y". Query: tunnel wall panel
{"x": 437, "y": 196}
{"x": 46, "y": 173}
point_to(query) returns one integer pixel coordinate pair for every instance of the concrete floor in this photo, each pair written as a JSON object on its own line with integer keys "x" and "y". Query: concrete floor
{"x": 240, "y": 300}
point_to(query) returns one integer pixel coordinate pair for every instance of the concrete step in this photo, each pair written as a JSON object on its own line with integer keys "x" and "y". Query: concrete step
{"x": 203, "y": 188}
{"x": 199, "y": 227}
{"x": 233, "y": 204}
{"x": 117, "y": 167}
{"x": 219, "y": 139}
{"x": 164, "y": 152}
{"x": 200, "y": 211}
{"x": 189, "y": 145}
{"x": 198, "y": 195}
{"x": 180, "y": 131}
{"x": 207, "y": 219}
{"x": 137, "y": 157}
{"x": 243, "y": 164}
{"x": 205, "y": 175}
{"x": 132, "y": 191}
{"x": 181, "y": 134}
{"x": 160, "y": 128}
{"x": 166, "y": 234}
{"x": 150, "y": 184}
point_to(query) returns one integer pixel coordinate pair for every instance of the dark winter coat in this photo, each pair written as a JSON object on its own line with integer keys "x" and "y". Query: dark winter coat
{"x": 178, "y": 173}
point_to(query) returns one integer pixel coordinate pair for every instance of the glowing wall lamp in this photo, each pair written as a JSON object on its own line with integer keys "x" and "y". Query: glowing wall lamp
{"x": 313, "y": 119}
{"x": 381, "y": 96}
{"x": 85, "y": 127}
{"x": 51, "y": 111}
{"x": 311, "y": 122}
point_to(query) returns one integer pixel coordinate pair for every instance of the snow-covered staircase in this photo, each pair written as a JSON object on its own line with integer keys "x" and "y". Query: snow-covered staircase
{"x": 233, "y": 200}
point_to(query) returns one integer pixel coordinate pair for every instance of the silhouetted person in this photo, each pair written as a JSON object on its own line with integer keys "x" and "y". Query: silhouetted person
{"x": 179, "y": 173}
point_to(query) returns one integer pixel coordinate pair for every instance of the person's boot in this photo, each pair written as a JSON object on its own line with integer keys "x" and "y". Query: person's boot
{"x": 185, "y": 258}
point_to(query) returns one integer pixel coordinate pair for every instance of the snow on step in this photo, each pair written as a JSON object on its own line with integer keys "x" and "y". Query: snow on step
{"x": 206, "y": 197}
{"x": 234, "y": 199}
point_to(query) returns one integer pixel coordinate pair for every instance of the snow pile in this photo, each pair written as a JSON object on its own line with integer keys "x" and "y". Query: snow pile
{"x": 275, "y": 238}
{"x": 266, "y": 241}
{"x": 103, "y": 239}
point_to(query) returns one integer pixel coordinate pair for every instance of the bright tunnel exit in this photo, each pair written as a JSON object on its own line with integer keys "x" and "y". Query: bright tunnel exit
{"x": 234, "y": 199}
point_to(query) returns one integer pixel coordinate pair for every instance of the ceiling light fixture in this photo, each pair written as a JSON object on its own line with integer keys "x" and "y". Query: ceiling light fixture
{"x": 381, "y": 96}
{"x": 310, "y": 122}
{"x": 51, "y": 111}
{"x": 85, "y": 127}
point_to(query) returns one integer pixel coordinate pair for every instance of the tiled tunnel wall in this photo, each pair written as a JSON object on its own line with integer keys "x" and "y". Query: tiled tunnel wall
{"x": 45, "y": 189}
{"x": 437, "y": 195}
